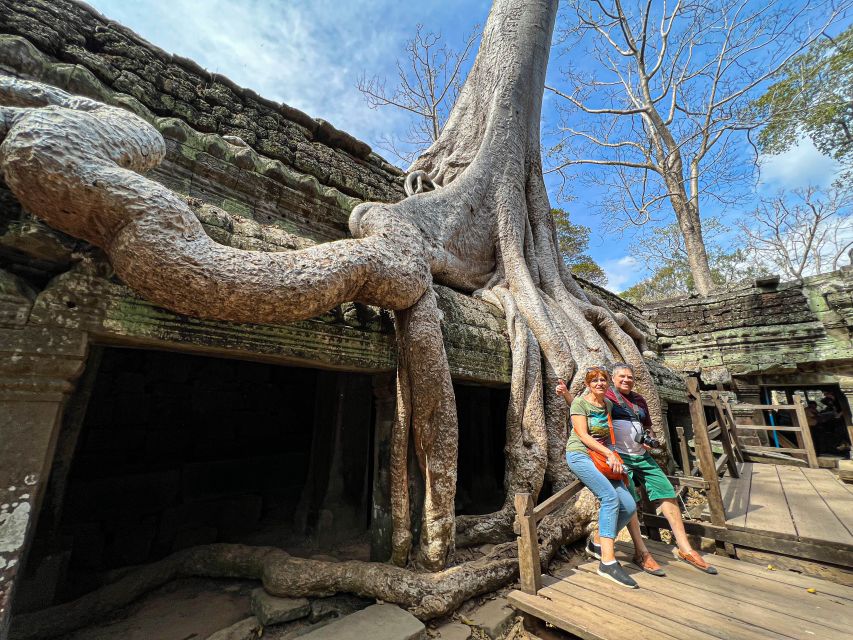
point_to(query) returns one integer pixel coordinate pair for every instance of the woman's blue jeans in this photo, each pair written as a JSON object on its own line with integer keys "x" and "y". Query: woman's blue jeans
{"x": 617, "y": 505}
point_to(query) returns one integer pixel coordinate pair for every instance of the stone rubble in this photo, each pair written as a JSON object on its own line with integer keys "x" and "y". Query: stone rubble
{"x": 272, "y": 610}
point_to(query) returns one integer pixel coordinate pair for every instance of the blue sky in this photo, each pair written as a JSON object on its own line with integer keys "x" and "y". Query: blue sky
{"x": 310, "y": 53}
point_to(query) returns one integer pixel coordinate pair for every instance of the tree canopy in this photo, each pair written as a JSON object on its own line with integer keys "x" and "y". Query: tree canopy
{"x": 655, "y": 102}
{"x": 573, "y": 240}
{"x": 813, "y": 97}
{"x": 663, "y": 249}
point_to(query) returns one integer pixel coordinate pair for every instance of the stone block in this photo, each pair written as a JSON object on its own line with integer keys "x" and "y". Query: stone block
{"x": 494, "y": 617}
{"x": 336, "y": 606}
{"x": 138, "y": 493}
{"x": 454, "y": 631}
{"x": 131, "y": 542}
{"x": 377, "y": 622}
{"x": 39, "y": 585}
{"x": 239, "y": 514}
{"x": 247, "y": 629}
{"x": 88, "y": 547}
{"x": 241, "y": 476}
{"x": 273, "y": 610}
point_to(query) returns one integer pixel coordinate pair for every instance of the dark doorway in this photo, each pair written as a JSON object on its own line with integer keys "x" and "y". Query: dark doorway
{"x": 178, "y": 450}
{"x": 827, "y": 411}
{"x": 482, "y": 435}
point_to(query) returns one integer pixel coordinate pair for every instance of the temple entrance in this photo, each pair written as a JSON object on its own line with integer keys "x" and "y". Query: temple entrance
{"x": 481, "y": 413}
{"x": 161, "y": 451}
{"x": 175, "y": 450}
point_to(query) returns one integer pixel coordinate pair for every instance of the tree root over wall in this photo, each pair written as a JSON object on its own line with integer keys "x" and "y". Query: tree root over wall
{"x": 485, "y": 229}
{"x": 426, "y": 595}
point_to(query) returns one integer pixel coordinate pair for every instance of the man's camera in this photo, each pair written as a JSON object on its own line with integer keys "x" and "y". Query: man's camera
{"x": 646, "y": 439}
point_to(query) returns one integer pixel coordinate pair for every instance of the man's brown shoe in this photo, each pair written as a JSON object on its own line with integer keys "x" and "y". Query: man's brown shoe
{"x": 697, "y": 561}
{"x": 648, "y": 564}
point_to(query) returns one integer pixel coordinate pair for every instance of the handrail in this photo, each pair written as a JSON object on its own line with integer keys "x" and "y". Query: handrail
{"x": 786, "y": 450}
{"x": 802, "y": 430}
{"x": 527, "y": 517}
{"x": 557, "y": 500}
{"x": 688, "y": 481}
{"x": 767, "y": 427}
{"x": 765, "y": 407}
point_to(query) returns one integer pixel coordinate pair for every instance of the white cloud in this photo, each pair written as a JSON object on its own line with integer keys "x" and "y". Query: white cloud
{"x": 305, "y": 53}
{"x": 800, "y": 166}
{"x": 622, "y": 272}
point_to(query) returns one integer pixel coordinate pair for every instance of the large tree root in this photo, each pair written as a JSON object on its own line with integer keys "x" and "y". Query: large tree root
{"x": 488, "y": 230}
{"x": 426, "y": 595}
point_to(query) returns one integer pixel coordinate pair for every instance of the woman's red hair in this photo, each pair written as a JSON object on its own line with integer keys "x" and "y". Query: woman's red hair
{"x": 594, "y": 373}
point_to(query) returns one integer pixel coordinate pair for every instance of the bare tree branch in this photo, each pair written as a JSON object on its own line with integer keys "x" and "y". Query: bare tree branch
{"x": 429, "y": 78}
{"x": 685, "y": 86}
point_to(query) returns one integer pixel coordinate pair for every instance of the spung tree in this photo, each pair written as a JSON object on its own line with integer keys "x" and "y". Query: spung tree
{"x": 658, "y": 95}
{"x": 485, "y": 229}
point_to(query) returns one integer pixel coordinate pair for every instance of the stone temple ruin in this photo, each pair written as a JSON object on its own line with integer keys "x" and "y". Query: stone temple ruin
{"x": 128, "y": 432}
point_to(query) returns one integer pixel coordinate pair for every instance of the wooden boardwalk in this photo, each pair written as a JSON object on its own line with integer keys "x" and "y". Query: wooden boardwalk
{"x": 744, "y": 602}
{"x": 781, "y": 506}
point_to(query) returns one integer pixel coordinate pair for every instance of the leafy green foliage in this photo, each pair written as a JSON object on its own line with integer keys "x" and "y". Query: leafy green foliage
{"x": 573, "y": 240}
{"x": 664, "y": 249}
{"x": 812, "y": 96}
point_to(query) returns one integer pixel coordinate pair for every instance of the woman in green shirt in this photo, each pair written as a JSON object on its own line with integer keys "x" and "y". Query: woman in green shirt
{"x": 590, "y": 415}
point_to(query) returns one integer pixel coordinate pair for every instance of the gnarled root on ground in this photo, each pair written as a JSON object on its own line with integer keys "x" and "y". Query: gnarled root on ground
{"x": 426, "y": 595}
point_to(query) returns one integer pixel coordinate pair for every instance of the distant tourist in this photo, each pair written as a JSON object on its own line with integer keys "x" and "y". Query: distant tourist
{"x": 591, "y": 458}
{"x": 812, "y": 414}
{"x": 631, "y": 419}
{"x": 831, "y": 420}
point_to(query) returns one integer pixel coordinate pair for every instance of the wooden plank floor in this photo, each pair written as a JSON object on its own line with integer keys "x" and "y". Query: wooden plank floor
{"x": 744, "y": 602}
{"x": 792, "y": 503}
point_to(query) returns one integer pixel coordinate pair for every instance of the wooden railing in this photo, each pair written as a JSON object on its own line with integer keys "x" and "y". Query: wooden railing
{"x": 527, "y": 518}
{"x": 801, "y": 431}
{"x": 726, "y": 429}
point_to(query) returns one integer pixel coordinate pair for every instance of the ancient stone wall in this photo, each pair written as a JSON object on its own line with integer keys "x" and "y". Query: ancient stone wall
{"x": 171, "y": 86}
{"x": 752, "y": 330}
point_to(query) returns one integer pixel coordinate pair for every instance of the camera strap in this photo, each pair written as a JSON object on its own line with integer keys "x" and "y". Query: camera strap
{"x": 629, "y": 407}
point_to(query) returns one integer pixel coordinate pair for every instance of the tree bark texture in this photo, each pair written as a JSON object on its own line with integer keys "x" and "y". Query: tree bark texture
{"x": 485, "y": 229}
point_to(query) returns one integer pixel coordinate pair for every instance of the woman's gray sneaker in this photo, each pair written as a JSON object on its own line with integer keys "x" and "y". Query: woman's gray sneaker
{"x": 592, "y": 549}
{"x": 616, "y": 573}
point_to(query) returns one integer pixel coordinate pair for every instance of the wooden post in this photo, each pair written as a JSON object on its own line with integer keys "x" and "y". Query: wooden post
{"x": 686, "y": 462}
{"x": 806, "y": 440}
{"x": 704, "y": 453}
{"x": 529, "y": 566}
{"x": 727, "y": 408}
{"x": 725, "y": 435}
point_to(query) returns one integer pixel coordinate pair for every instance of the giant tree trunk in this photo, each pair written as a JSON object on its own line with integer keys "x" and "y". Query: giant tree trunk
{"x": 485, "y": 229}
{"x": 685, "y": 206}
